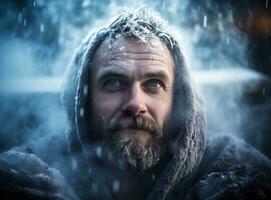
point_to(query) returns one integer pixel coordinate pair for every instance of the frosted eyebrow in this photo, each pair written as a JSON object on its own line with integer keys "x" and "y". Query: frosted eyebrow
{"x": 160, "y": 74}
{"x": 106, "y": 74}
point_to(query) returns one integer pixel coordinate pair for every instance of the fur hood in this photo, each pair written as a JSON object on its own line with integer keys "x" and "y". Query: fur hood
{"x": 187, "y": 128}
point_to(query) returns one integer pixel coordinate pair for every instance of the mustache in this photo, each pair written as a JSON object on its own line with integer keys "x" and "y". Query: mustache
{"x": 135, "y": 123}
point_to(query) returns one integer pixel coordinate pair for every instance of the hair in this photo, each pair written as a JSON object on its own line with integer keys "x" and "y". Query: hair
{"x": 141, "y": 25}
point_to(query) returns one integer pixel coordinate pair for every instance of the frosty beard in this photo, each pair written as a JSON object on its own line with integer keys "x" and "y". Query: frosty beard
{"x": 124, "y": 148}
{"x": 131, "y": 154}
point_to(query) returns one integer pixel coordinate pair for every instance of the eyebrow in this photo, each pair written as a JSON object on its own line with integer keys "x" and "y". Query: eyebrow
{"x": 159, "y": 74}
{"x": 112, "y": 73}
{"x": 106, "y": 74}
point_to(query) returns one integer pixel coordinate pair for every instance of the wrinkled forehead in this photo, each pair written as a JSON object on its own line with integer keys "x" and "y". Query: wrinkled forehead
{"x": 125, "y": 47}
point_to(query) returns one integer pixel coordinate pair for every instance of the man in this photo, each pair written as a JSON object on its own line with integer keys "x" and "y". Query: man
{"x": 136, "y": 128}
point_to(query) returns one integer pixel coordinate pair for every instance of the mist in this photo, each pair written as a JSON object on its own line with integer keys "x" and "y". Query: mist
{"x": 38, "y": 39}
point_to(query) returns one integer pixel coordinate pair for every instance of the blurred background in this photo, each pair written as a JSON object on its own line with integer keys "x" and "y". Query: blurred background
{"x": 227, "y": 42}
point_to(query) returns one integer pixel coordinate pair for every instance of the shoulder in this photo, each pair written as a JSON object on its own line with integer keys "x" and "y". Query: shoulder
{"x": 27, "y": 163}
{"x": 227, "y": 151}
{"x": 25, "y": 176}
{"x": 230, "y": 167}
{"x": 52, "y": 149}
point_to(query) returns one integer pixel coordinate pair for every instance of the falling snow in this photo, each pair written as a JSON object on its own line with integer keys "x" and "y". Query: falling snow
{"x": 82, "y": 112}
{"x": 41, "y": 27}
{"x": 74, "y": 164}
{"x": 115, "y": 186}
{"x": 85, "y": 89}
{"x": 228, "y": 41}
{"x": 86, "y": 3}
{"x": 99, "y": 152}
{"x": 205, "y": 21}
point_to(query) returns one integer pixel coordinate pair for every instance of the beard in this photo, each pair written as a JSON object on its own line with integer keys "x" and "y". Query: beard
{"x": 123, "y": 147}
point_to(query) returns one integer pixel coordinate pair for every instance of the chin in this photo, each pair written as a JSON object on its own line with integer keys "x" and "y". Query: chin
{"x": 135, "y": 150}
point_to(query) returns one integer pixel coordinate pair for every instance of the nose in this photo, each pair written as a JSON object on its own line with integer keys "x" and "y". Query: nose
{"x": 134, "y": 104}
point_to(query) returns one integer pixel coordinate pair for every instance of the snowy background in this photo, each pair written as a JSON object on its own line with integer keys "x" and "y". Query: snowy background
{"x": 227, "y": 44}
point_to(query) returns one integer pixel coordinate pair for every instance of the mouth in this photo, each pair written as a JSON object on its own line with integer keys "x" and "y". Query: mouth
{"x": 141, "y": 135}
{"x": 133, "y": 131}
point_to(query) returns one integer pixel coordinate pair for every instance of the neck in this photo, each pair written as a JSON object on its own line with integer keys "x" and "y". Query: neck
{"x": 132, "y": 186}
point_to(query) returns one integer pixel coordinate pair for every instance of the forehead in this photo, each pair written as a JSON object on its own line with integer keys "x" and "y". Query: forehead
{"x": 130, "y": 53}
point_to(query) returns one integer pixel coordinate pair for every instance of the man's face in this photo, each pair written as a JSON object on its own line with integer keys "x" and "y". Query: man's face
{"x": 132, "y": 86}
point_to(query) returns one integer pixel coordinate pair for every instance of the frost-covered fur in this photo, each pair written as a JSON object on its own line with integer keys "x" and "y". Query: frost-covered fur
{"x": 232, "y": 169}
{"x": 25, "y": 176}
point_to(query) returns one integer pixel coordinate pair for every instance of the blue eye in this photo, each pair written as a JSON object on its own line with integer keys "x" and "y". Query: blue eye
{"x": 113, "y": 84}
{"x": 154, "y": 84}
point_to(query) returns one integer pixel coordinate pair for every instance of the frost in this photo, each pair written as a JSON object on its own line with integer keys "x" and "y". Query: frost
{"x": 142, "y": 25}
{"x": 42, "y": 176}
{"x": 13, "y": 171}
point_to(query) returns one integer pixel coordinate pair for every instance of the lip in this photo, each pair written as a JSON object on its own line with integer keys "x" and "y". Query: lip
{"x": 133, "y": 131}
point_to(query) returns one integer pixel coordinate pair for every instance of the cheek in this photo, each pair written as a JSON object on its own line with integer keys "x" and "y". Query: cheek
{"x": 106, "y": 104}
{"x": 160, "y": 108}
